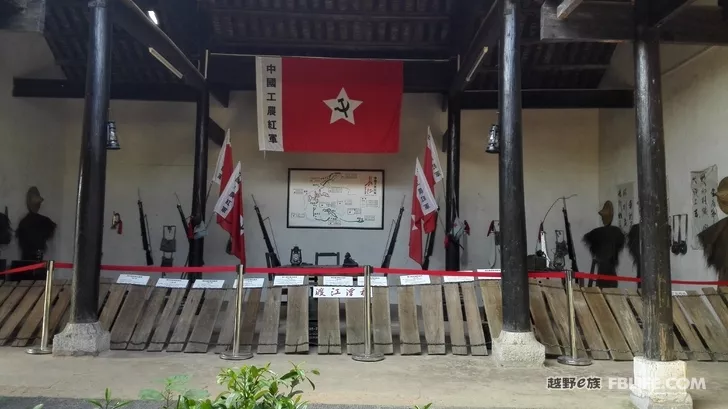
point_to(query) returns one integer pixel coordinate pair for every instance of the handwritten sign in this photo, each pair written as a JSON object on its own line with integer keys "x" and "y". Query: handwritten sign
{"x": 457, "y": 279}
{"x": 674, "y": 293}
{"x": 414, "y": 279}
{"x": 208, "y": 284}
{"x": 339, "y": 281}
{"x": 132, "y": 279}
{"x": 172, "y": 283}
{"x": 287, "y": 281}
{"x": 254, "y": 282}
{"x": 375, "y": 281}
{"x": 338, "y": 292}
{"x": 488, "y": 270}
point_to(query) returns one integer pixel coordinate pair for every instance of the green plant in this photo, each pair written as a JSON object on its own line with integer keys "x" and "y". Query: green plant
{"x": 108, "y": 403}
{"x": 422, "y": 407}
{"x": 252, "y": 387}
{"x": 175, "y": 394}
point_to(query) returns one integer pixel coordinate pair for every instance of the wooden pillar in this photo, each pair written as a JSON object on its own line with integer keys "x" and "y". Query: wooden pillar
{"x": 199, "y": 184}
{"x": 89, "y": 231}
{"x": 651, "y": 182}
{"x": 452, "y": 194}
{"x": 516, "y": 317}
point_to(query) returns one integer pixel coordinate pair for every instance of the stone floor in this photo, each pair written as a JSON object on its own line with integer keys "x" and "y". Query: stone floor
{"x": 446, "y": 381}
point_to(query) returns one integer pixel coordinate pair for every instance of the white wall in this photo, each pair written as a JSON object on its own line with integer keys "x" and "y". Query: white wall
{"x": 694, "y": 96}
{"x": 30, "y": 138}
{"x": 560, "y": 151}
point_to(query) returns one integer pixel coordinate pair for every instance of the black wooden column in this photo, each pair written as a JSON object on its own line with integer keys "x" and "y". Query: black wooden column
{"x": 516, "y": 316}
{"x": 89, "y": 232}
{"x": 452, "y": 194}
{"x": 654, "y": 232}
{"x": 199, "y": 184}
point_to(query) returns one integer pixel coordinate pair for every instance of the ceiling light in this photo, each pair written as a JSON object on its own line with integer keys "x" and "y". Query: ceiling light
{"x": 153, "y": 16}
{"x": 477, "y": 64}
{"x": 165, "y": 62}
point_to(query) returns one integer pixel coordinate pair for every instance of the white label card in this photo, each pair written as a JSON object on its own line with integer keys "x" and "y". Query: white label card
{"x": 172, "y": 283}
{"x": 488, "y": 270}
{"x": 253, "y": 282}
{"x": 132, "y": 279}
{"x": 374, "y": 281}
{"x": 339, "y": 280}
{"x": 414, "y": 279}
{"x": 287, "y": 281}
{"x": 457, "y": 279}
{"x": 208, "y": 284}
{"x": 674, "y": 293}
{"x": 338, "y": 292}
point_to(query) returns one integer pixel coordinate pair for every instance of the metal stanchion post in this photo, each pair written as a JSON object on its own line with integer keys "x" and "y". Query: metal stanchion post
{"x": 368, "y": 355}
{"x": 43, "y": 349}
{"x": 236, "y": 355}
{"x": 573, "y": 359}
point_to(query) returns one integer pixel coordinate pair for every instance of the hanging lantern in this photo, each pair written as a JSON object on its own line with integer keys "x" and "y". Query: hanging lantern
{"x": 112, "y": 141}
{"x": 493, "y": 140}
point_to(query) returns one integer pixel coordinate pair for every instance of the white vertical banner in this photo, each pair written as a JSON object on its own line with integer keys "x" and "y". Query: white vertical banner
{"x": 217, "y": 178}
{"x": 436, "y": 166}
{"x": 626, "y": 207}
{"x": 704, "y": 187}
{"x": 424, "y": 194}
{"x": 225, "y": 203}
{"x": 268, "y": 85}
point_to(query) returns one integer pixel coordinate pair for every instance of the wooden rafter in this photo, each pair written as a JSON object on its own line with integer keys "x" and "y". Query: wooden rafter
{"x": 23, "y": 16}
{"x": 667, "y": 10}
{"x": 567, "y": 7}
{"x": 614, "y": 22}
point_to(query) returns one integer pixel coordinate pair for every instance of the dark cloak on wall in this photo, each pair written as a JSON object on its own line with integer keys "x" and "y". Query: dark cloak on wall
{"x": 34, "y": 230}
{"x": 605, "y": 243}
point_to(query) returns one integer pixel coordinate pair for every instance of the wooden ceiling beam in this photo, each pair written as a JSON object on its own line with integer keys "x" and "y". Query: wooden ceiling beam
{"x": 127, "y": 15}
{"x": 614, "y": 23}
{"x": 554, "y": 99}
{"x": 335, "y": 16}
{"x": 566, "y": 8}
{"x": 483, "y": 42}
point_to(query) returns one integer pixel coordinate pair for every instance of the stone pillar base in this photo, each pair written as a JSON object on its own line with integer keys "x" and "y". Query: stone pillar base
{"x": 81, "y": 340}
{"x": 518, "y": 350}
{"x": 660, "y": 385}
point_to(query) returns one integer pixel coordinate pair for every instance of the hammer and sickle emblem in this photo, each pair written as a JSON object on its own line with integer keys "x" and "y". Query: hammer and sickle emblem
{"x": 344, "y": 107}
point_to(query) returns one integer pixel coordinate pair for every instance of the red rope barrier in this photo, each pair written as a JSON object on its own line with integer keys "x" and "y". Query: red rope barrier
{"x": 326, "y": 271}
{"x": 637, "y": 280}
{"x": 22, "y": 269}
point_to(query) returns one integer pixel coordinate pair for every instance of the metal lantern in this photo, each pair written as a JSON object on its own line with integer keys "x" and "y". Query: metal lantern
{"x": 112, "y": 141}
{"x": 493, "y": 140}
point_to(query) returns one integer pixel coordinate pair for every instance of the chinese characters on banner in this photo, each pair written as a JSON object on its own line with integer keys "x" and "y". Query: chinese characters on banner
{"x": 269, "y": 103}
{"x": 625, "y": 206}
{"x": 338, "y": 292}
{"x": 225, "y": 203}
{"x": 704, "y": 186}
{"x": 572, "y": 382}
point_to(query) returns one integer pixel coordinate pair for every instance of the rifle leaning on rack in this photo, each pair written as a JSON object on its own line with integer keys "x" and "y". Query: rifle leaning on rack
{"x": 271, "y": 257}
{"x": 393, "y": 237}
{"x": 186, "y": 227}
{"x": 144, "y": 225}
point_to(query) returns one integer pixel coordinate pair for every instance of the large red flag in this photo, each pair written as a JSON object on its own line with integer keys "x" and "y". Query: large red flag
{"x": 230, "y": 207}
{"x": 423, "y": 204}
{"x": 328, "y": 105}
{"x": 433, "y": 174}
{"x": 224, "y": 168}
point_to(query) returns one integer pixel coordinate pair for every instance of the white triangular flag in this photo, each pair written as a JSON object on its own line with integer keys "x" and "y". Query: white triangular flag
{"x": 217, "y": 176}
{"x": 436, "y": 167}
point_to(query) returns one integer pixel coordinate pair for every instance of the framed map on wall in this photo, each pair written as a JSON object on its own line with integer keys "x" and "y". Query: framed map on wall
{"x": 335, "y": 199}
